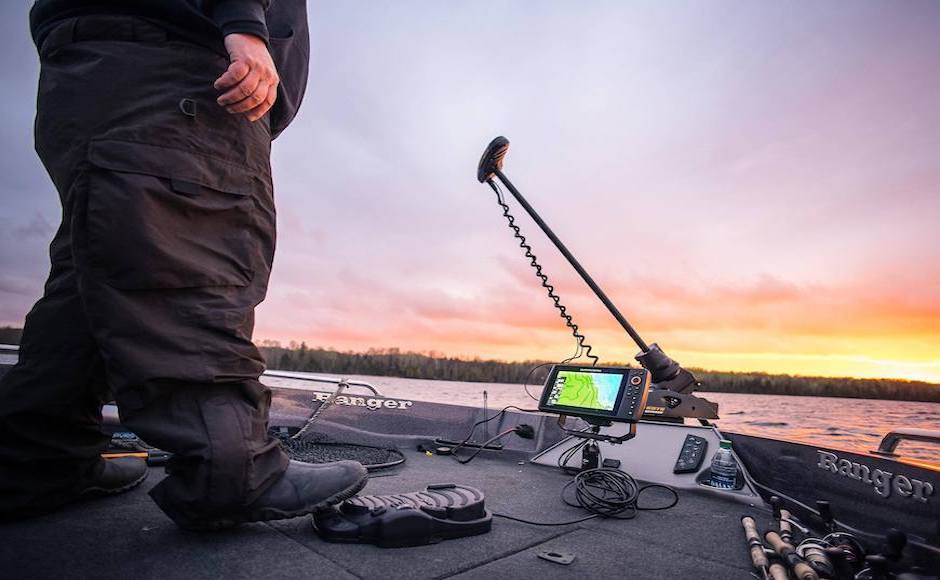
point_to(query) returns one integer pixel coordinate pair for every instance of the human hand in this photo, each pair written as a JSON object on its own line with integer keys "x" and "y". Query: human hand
{"x": 250, "y": 83}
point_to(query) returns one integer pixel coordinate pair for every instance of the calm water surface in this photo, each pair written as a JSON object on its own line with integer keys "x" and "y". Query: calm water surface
{"x": 850, "y": 424}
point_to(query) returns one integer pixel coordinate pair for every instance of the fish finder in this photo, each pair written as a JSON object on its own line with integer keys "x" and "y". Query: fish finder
{"x": 598, "y": 395}
{"x": 602, "y": 393}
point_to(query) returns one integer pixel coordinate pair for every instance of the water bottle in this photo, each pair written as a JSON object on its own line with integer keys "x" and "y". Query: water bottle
{"x": 724, "y": 469}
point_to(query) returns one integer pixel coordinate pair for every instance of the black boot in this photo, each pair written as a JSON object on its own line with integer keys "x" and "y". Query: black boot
{"x": 108, "y": 477}
{"x": 116, "y": 476}
{"x": 301, "y": 490}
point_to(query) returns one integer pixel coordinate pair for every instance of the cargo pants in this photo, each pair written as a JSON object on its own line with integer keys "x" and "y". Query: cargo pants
{"x": 163, "y": 252}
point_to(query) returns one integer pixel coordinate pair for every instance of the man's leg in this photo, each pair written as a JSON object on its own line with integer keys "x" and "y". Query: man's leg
{"x": 173, "y": 235}
{"x": 170, "y": 275}
{"x": 224, "y": 458}
{"x": 173, "y": 239}
{"x": 50, "y": 401}
{"x": 188, "y": 386}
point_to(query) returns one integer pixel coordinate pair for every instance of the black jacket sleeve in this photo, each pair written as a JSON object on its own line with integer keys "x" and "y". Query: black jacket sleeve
{"x": 242, "y": 16}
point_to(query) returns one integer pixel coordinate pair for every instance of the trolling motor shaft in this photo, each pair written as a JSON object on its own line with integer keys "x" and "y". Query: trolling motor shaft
{"x": 665, "y": 372}
{"x": 491, "y": 165}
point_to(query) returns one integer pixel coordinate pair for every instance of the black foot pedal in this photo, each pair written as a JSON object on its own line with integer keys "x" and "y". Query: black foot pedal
{"x": 440, "y": 512}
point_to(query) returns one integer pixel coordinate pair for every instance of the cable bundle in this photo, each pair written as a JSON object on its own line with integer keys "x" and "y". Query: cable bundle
{"x": 605, "y": 493}
{"x": 320, "y": 451}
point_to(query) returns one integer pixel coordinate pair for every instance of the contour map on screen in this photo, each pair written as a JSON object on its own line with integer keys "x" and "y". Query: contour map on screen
{"x": 585, "y": 390}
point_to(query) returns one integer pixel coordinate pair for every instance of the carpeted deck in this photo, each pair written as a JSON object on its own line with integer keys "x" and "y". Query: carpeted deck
{"x": 128, "y": 537}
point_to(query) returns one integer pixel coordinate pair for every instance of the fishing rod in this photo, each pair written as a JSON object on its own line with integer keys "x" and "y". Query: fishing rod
{"x": 770, "y": 570}
{"x": 835, "y": 554}
{"x": 801, "y": 569}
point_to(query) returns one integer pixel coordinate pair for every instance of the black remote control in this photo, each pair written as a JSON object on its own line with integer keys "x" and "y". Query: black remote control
{"x": 691, "y": 455}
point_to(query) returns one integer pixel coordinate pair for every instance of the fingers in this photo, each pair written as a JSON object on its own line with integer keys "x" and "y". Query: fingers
{"x": 250, "y": 82}
{"x": 252, "y": 90}
{"x": 259, "y": 111}
{"x": 237, "y": 71}
{"x": 241, "y": 91}
{"x": 250, "y": 102}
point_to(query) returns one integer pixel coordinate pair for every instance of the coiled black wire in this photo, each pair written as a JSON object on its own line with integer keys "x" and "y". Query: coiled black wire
{"x": 584, "y": 349}
{"x": 604, "y": 493}
{"x": 565, "y": 457}
{"x": 528, "y": 377}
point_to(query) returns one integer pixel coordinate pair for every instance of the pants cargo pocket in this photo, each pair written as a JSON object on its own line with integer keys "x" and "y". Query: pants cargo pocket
{"x": 161, "y": 218}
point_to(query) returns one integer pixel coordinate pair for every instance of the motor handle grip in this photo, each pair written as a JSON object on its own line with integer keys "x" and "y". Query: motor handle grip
{"x": 492, "y": 159}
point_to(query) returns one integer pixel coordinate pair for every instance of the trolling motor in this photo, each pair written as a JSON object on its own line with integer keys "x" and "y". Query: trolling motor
{"x": 670, "y": 396}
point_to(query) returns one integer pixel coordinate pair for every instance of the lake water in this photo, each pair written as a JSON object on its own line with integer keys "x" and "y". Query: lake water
{"x": 849, "y": 424}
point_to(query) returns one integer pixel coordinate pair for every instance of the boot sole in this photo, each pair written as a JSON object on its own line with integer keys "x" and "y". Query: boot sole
{"x": 274, "y": 515}
{"x": 91, "y": 492}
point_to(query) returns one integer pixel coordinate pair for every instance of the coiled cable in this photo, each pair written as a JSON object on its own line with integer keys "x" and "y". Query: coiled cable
{"x": 584, "y": 349}
{"x": 604, "y": 493}
{"x": 528, "y": 377}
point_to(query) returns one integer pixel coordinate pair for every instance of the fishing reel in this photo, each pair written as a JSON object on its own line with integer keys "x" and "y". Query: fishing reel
{"x": 838, "y": 554}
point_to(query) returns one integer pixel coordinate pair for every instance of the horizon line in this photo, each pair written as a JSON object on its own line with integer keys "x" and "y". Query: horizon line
{"x": 270, "y": 343}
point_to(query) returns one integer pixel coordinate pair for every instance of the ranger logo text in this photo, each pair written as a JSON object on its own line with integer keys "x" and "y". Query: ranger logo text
{"x": 884, "y": 482}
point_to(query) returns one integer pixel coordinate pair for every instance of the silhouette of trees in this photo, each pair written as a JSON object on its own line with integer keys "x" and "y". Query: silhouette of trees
{"x": 394, "y": 362}
{"x": 413, "y": 365}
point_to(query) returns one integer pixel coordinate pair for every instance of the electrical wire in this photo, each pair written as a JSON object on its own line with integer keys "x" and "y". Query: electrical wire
{"x": 341, "y": 386}
{"x": 468, "y": 459}
{"x": 605, "y": 493}
{"x": 565, "y": 457}
{"x": 525, "y": 384}
{"x": 500, "y": 413}
{"x": 497, "y": 415}
{"x": 584, "y": 349}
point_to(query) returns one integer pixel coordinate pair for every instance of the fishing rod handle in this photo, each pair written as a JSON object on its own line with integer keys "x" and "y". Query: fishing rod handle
{"x": 778, "y": 544}
{"x": 778, "y": 571}
{"x": 786, "y": 531}
{"x": 803, "y": 570}
{"x": 758, "y": 557}
{"x": 818, "y": 560}
{"x": 800, "y": 568}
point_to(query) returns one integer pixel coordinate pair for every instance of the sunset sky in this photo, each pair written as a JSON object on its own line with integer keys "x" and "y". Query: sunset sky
{"x": 755, "y": 184}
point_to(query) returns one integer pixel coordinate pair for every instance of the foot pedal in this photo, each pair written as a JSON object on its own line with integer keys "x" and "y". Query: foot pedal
{"x": 440, "y": 512}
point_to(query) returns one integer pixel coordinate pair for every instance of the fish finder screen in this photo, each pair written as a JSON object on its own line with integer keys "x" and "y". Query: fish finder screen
{"x": 585, "y": 390}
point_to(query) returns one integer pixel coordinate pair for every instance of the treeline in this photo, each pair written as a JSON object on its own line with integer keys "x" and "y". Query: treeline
{"x": 10, "y": 335}
{"x": 764, "y": 384}
{"x": 393, "y": 362}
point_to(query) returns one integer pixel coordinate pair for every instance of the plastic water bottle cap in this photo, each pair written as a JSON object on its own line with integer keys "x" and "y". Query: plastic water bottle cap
{"x": 725, "y": 444}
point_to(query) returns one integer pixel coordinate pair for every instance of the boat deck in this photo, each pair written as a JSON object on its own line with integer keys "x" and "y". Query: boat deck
{"x": 128, "y": 536}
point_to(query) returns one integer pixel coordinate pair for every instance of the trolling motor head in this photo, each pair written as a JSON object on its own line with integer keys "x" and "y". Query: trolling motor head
{"x": 665, "y": 372}
{"x": 674, "y": 382}
{"x": 492, "y": 159}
